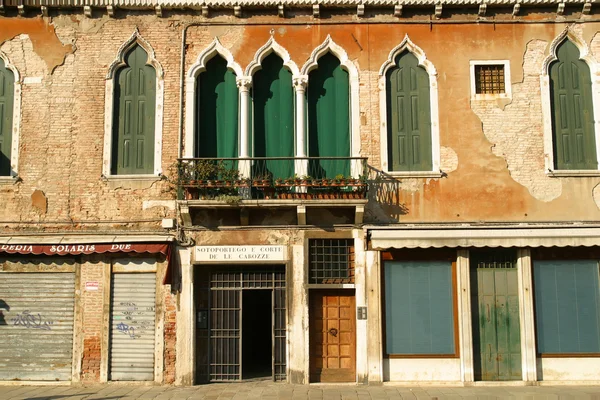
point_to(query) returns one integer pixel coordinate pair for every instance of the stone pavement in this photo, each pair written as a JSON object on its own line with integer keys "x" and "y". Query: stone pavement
{"x": 271, "y": 391}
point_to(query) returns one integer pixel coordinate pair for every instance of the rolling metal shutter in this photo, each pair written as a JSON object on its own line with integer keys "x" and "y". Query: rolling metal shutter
{"x": 36, "y": 325}
{"x": 133, "y": 316}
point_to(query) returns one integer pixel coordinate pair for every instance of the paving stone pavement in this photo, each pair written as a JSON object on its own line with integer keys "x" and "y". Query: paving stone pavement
{"x": 272, "y": 391}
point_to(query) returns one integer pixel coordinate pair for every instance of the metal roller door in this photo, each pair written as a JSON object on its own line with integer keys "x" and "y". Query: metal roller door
{"x": 36, "y": 326}
{"x": 132, "y": 326}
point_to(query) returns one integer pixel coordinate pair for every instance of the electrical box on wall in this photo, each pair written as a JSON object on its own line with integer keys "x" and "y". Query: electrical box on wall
{"x": 361, "y": 312}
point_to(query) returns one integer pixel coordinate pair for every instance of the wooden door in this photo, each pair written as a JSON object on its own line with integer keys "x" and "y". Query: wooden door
{"x": 496, "y": 327}
{"x": 332, "y": 336}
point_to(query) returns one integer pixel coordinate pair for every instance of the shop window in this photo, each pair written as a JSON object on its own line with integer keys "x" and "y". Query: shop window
{"x": 331, "y": 261}
{"x": 419, "y": 308}
{"x": 566, "y": 307}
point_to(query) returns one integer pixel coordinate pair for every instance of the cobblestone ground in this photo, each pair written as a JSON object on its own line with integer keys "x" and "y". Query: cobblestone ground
{"x": 271, "y": 391}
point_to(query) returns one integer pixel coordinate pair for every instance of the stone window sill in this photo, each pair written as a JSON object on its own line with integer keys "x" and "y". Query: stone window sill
{"x": 131, "y": 181}
{"x": 415, "y": 174}
{"x": 572, "y": 173}
{"x": 9, "y": 180}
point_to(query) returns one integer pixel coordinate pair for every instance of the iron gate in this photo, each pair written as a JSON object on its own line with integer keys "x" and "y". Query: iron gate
{"x": 219, "y": 308}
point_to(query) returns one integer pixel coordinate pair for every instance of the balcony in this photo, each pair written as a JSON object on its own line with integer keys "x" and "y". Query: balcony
{"x": 276, "y": 182}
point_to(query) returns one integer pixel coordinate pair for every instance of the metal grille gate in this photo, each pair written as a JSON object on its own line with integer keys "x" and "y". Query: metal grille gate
{"x": 218, "y": 294}
{"x": 36, "y": 325}
{"x": 133, "y": 316}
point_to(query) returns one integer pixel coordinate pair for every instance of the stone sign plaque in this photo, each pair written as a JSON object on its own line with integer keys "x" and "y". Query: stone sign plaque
{"x": 241, "y": 254}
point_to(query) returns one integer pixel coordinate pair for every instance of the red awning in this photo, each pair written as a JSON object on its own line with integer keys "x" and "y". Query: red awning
{"x": 76, "y": 249}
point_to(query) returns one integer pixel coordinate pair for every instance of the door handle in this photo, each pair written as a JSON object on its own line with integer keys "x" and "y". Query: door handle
{"x": 488, "y": 312}
{"x": 333, "y": 332}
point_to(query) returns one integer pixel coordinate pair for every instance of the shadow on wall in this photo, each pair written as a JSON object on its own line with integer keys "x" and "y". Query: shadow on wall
{"x": 384, "y": 205}
{"x": 3, "y": 306}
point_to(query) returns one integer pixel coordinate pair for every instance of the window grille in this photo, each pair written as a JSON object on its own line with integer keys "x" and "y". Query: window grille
{"x": 499, "y": 258}
{"x": 489, "y": 79}
{"x": 331, "y": 260}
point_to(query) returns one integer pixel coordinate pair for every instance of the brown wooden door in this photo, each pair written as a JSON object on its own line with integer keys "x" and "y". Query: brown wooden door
{"x": 332, "y": 336}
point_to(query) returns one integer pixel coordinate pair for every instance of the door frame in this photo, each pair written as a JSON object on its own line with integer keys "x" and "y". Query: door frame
{"x": 341, "y": 291}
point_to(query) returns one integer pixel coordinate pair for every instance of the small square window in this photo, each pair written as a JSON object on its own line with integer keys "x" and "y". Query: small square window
{"x": 331, "y": 260}
{"x": 490, "y": 79}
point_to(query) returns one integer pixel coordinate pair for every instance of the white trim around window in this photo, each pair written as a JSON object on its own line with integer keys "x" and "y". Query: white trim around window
{"x": 135, "y": 40}
{"x": 408, "y": 45}
{"x": 507, "y": 82}
{"x": 16, "y": 123}
{"x": 585, "y": 55}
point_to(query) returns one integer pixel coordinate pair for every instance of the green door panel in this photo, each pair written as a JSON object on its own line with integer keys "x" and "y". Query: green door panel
{"x": 329, "y": 117}
{"x": 273, "y": 100}
{"x": 7, "y": 89}
{"x": 135, "y": 99}
{"x": 572, "y": 110}
{"x": 409, "y": 116}
{"x": 217, "y": 111}
{"x": 496, "y": 325}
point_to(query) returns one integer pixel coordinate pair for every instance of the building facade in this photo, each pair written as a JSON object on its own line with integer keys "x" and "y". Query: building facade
{"x": 305, "y": 192}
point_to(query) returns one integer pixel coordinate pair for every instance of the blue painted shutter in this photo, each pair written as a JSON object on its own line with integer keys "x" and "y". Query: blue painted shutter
{"x": 329, "y": 117}
{"x": 572, "y": 111}
{"x": 566, "y": 306}
{"x": 419, "y": 312}
{"x": 7, "y": 90}
{"x": 135, "y": 97}
{"x": 409, "y": 118}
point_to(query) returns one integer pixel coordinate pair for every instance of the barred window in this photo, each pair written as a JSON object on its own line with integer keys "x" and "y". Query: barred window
{"x": 331, "y": 260}
{"x": 489, "y": 79}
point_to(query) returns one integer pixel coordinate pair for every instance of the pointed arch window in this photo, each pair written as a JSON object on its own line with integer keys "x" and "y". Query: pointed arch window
{"x": 7, "y": 99}
{"x": 273, "y": 115}
{"x": 135, "y": 102}
{"x": 408, "y": 115}
{"x": 408, "y": 99}
{"x": 573, "y": 131}
{"x": 329, "y": 117}
{"x": 216, "y": 111}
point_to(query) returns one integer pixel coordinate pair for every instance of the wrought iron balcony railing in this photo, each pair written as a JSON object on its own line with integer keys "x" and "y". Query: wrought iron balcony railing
{"x": 234, "y": 179}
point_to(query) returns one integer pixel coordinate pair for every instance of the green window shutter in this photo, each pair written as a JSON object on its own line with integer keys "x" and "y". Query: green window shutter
{"x": 329, "y": 117}
{"x": 7, "y": 91}
{"x": 274, "y": 116}
{"x": 419, "y": 312}
{"x": 567, "y": 306}
{"x": 135, "y": 99}
{"x": 409, "y": 116}
{"x": 572, "y": 111}
{"x": 217, "y": 111}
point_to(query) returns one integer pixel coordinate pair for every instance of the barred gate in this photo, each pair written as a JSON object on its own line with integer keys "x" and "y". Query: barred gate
{"x": 219, "y": 331}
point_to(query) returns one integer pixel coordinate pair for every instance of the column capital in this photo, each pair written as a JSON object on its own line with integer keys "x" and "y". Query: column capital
{"x": 300, "y": 82}
{"x": 244, "y": 83}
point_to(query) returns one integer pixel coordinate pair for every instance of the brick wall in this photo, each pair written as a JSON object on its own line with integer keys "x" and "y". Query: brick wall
{"x": 92, "y": 306}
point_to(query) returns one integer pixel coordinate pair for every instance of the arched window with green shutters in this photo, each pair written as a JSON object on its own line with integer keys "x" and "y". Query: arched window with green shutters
{"x": 408, "y": 115}
{"x": 7, "y": 89}
{"x": 574, "y": 138}
{"x": 135, "y": 101}
{"x": 216, "y": 111}
{"x": 329, "y": 117}
{"x": 274, "y": 116}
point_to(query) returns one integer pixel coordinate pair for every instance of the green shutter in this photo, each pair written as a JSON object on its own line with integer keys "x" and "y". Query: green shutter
{"x": 572, "y": 111}
{"x": 419, "y": 312}
{"x": 217, "y": 111}
{"x": 135, "y": 97}
{"x": 274, "y": 115}
{"x": 567, "y": 306}
{"x": 7, "y": 90}
{"x": 329, "y": 117}
{"x": 409, "y": 116}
